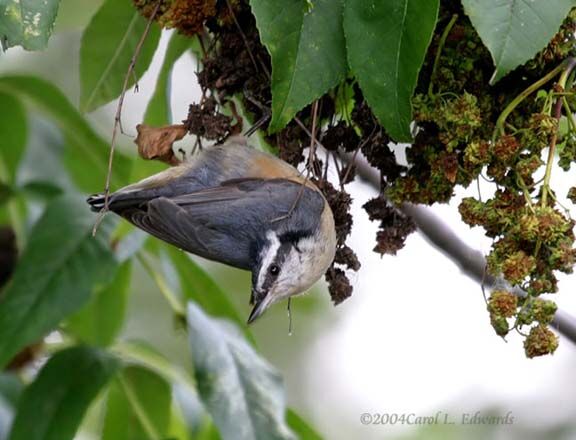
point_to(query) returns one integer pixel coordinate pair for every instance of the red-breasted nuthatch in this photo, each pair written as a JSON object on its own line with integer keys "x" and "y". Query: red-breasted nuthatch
{"x": 239, "y": 206}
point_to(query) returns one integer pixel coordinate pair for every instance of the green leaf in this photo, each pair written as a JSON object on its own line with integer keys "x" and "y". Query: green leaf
{"x": 344, "y": 101}
{"x": 158, "y": 110}
{"x": 13, "y": 127}
{"x": 53, "y": 406}
{"x": 242, "y": 392}
{"x": 178, "y": 428}
{"x": 129, "y": 241}
{"x": 88, "y": 160}
{"x": 515, "y": 30}
{"x": 186, "y": 406}
{"x": 40, "y": 190}
{"x": 6, "y": 192}
{"x": 306, "y": 44}
{"x": 386, "y": 43}
{"x": 138, "y": 406}
{"x": 143, "y": 355}
{"x": 55, "y": 275}
{"x": 27, "y": 23}
{"x": 300, "y": 427}
{"x": 99, "y": 322}
{"x": 13, "y": 211}
{"x": 198, "y": 286}
{"x": 108, "y": 45}
{"x": 10, "y": 388}
{"x": 209, "y": 432}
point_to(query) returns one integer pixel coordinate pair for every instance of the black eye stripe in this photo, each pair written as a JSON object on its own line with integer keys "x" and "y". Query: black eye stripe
{"x": 294, "y": 236}
{"x": 278, "y": 262}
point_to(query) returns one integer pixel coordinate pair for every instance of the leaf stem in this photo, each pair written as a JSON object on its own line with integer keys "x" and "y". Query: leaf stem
{"x": 162, "y": 284}
{"x": 520, "y": 182}
{"x": 569, "y": 114}
{"x": 499, "y": 129}
{"x": 141, "y": 414}
{"x": 441, "y": 44}
{"x": 568, "y": 66}
{"x": 135, "y": 354}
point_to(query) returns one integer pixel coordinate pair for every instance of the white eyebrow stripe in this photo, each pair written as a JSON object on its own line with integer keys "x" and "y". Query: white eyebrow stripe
{"x": 268, "y": 257}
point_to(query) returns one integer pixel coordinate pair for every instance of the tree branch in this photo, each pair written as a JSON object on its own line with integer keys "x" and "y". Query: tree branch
{"x": 471, "y": 261}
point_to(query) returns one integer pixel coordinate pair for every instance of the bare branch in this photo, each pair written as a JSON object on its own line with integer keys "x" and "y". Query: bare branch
{"x": 471, "y": 261}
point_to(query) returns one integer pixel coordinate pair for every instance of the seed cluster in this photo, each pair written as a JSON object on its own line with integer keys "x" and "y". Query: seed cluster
{"x": 187, "y": 16}
{"x": 468, "y": 130}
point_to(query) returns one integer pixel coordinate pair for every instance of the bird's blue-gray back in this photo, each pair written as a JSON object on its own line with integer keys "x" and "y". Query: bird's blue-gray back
{"x": 231, "y": 219}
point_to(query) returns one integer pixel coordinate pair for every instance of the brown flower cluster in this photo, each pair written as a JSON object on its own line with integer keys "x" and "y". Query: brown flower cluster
{"x": 187, "y": 16}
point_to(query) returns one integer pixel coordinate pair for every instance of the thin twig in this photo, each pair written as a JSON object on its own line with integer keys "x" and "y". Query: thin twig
{"x": 303, "y": 127}
{"x": 258, "y": 124}
{"x": 242, "y": 35}
{"x": 350, "y": 165}
{"x": 337, "y": 166}
{"x": 312, "y": 151}
{"x": 118, "y": 116}
{"x": 358, "y": 148}
{"x": 311, "y": 156}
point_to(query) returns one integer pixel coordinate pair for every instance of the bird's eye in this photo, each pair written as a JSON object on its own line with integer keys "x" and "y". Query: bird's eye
{"x": 274, "y": 270}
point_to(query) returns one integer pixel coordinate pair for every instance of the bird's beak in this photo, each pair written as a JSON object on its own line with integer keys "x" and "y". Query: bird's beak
{"x": 260, "y": 306}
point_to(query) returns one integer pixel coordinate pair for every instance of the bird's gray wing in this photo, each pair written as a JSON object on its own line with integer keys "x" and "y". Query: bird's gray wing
{"x": 228, "y": 223}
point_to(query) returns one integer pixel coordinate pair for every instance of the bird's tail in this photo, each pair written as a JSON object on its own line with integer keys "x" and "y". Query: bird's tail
{"x": 121, "y": 200}
{"x": 96, "y": 202}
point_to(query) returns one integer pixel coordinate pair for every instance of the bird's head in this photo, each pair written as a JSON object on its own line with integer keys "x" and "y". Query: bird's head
{"x": 289, "y": 264}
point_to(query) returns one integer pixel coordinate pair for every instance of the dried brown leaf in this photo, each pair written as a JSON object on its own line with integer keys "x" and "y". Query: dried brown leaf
{"x": 156, "y": 142}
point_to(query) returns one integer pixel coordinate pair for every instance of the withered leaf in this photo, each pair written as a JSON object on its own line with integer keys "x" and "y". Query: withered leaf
{"x": 450, "y": 165}
{"x": 156, "y": 142}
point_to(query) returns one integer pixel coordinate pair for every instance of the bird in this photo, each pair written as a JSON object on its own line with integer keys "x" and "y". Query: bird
{"x": 240, "y": 206}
